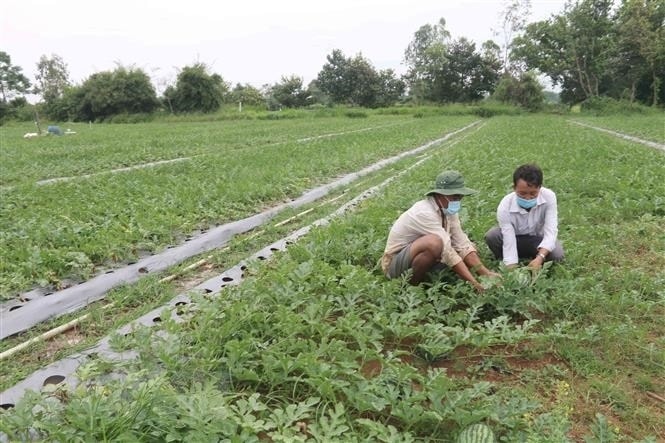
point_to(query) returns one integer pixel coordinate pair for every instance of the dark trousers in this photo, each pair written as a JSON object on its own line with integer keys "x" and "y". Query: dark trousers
{"x": 527, "y": 246}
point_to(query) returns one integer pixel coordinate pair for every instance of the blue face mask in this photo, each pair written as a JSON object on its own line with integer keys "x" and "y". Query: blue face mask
{"x": 526, "y": 203}
{"x": 453, "y": 207}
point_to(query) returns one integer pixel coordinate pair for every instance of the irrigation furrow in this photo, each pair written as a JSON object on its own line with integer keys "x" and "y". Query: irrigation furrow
{"x": 64, "y": 370}
{"x": 16, "y": 316}
{"x": 50, "y": 181}
{"x": 621, "y": 135}
{"x": 335, "y": 134}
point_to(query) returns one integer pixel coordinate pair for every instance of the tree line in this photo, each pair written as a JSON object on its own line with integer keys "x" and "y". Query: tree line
{"x": 592, "y": 49}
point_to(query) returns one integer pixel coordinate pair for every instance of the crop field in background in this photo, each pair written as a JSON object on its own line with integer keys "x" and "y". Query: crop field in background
{"x": 316, "y": 345}
{"x": 70, "y": 229}
{"x": 99, "y": 148}
{"x": 651, "y": 127}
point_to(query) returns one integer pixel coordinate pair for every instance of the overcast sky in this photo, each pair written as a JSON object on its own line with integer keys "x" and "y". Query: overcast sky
{"x": 246, "y": 41}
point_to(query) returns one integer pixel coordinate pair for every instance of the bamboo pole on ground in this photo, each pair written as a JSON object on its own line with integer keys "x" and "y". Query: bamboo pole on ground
{"x": 48, "y": 334}
{"x": 656, "y": 396}
{"x": 188, "y": 268}
{"x": 283, "y": 222}
{"x": 45, "y": 336}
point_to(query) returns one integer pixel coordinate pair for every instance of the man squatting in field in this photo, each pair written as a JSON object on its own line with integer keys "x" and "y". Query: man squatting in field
{"x": 528, "y": 224}
{"x": 430, "y": 234}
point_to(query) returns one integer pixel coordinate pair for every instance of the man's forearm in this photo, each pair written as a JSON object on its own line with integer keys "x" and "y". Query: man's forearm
{"x": 463, "y": 271}
{"x": 473, "y": 262}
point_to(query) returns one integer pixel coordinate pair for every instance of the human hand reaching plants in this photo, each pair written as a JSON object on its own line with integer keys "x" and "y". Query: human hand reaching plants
{"x": 492, "y": 274}
{"x": 490, "y": 280}
{"x": 478, "y": 287}
{"x": 535, "y": 264}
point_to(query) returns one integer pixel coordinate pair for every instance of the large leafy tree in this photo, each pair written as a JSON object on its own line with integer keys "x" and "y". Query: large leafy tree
{"x": 52, "y": 81}
{"x": 513, "y": 21}
{"x": 196, "y": 90}
{"x": 391, "y": 88}
{"x": 245, "y": 94}
{"x": 52, "y": 77}
{"x": 524, "y": 91}
{"x": 355, "y": 81}
{"x": 425, "y": 55}
{"x": 467, "y": 76}
{"x": 334, "y": 79}
{"x": 12, "y": 80}
{"x": 640, "y": 57}
{"x": 491, "y": 62}
{"x": 364, "y": 82}
{"x": 288, "y": 93}
{"x": 444, "y": 70}
{"x": 574, "y": 49}
{"x": 109, "y": 93}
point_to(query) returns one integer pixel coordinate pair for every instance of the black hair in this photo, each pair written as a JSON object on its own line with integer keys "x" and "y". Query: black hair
{"x": 530, "y": 173}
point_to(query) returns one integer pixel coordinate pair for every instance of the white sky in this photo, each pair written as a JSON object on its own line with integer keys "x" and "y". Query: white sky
{"x": 246, "y": 41}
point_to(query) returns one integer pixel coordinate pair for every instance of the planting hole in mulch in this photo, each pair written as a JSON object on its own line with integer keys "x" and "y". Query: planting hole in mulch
{"x": 53, "y": 380}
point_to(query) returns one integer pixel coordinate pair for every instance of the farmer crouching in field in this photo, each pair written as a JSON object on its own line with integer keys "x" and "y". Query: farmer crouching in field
{"x": 528, "y": 224}
{"x": 430, "y": 234}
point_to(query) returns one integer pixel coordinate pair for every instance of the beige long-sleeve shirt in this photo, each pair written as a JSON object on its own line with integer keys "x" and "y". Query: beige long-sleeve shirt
{"x": 423, "y": 218}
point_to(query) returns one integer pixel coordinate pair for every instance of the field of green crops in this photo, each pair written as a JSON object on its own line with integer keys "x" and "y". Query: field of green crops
{"x": 316, "y": 345}
{"x": 71, "y": 229}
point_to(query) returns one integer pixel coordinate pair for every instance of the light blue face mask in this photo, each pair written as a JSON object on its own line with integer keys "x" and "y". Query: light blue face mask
{"x": 453, "y": 207}
{"x": 526, "y": 203}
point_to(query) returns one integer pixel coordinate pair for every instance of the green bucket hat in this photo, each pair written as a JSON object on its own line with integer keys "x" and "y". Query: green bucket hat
{"x": 450, "y": 183}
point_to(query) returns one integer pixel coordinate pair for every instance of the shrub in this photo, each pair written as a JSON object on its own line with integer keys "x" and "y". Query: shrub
{"x": 130, "y": 118}
{"x": 555, "y": 108}
{"x": 355, "y": 114}
{"x": 490, "y": 109}
{"x": 394, "y": 110}
{"x": 196, "y": 90}
{"x": 105, "y": 94}
{"x": 278, "y": 115}
{"x": 17, "y": 109}
{"x": 609, "y": 106}
{"x": 524, "y": 91}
